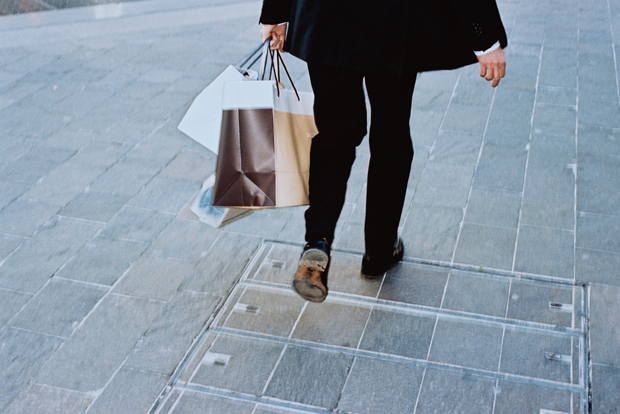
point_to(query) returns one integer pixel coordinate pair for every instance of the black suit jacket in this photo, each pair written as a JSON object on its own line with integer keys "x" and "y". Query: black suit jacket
{"x": 380, "y": 35}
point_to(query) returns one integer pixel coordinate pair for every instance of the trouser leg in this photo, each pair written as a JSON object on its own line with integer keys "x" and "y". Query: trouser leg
{"x": 391, "y": 154}
{"x": 340, "y": 116}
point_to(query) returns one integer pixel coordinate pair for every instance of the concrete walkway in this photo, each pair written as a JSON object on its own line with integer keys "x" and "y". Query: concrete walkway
{"x": 115, "y": 298}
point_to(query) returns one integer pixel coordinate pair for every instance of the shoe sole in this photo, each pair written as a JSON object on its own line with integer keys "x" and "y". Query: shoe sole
{"x": 308, "y": 291}
{"x": 314, "y": 258}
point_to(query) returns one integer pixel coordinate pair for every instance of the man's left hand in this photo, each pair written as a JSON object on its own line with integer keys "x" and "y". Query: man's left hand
{"x": 493, "y": 66}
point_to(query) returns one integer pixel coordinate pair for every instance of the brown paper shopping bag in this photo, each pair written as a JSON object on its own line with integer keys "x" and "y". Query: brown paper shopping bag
{"x": 264, "y": 153}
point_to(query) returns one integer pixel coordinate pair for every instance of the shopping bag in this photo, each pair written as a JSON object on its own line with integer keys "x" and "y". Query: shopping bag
{"x": 203, "y": 119}
{"x": 214, "y": 216}
{"x": 264, "y": 153}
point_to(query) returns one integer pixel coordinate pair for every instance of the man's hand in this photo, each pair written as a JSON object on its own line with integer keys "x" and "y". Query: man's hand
{"x": 493, "y": 66}
{"x": 276, "y": 33}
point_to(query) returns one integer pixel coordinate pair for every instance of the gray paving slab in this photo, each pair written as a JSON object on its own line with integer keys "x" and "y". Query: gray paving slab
{"x": 58, "y": 308}
{"x": 123, "y": 321}
{"x": 23, "y": 217}
{"x": 130, "y": 391}
{"x": 55, "y": 400}
{"x": 310, "y": 376}
{"x": 606, "y": 381}
{"x": 102, "y": 261}
{"x": 455, "y": 392}
{"x": 34, "y": 350}
{"x": 12, "y": 303}
{"x": 193, "y": 402}
{"x": 29, "y": 268}
{"x": 545, "y": 251}
{"x": 153, "y": 278}
{"x": 376, "y": 386}
{"x": 604, "y": 331}
{"x": 529, "y": 399}
{"x": 136, "y": 224}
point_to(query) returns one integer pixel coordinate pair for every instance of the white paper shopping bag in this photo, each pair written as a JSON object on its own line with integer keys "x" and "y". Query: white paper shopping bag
{"x": 203, "y": 119}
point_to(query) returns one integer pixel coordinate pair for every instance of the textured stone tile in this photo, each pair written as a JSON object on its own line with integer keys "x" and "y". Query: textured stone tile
{"x": 465, "y": 118}
{"x": 55, "y": 400}
{"x": 425, "y": 126}
{"x": 479, "y": 294}
{"x": 377, "y": 387}
{"x": 557, "y": 96}
{"x": 41, "y": 256}
{"x": 398, "y": 333}
{"x": 35, "y": 164}
{"x": 238, "y": 364}
{"x": 597, "y": 182}
{"x": 444, "y": 185}
{"x": 136, "y": 224}
{"x": 130, "y": 392}
{"x": 216, "y": 273}
{"x": 172, "y": 333}
{"x": 94, "y": 205}
{"x": 523, "y": 353}
{"x": 529, "y": 399}
{"x": 310, "y": 376}
{"x": 165, "y": 194}
{"x": 345, "y": 276}
{"x": 501, "y": 168}
{"x": 184, "y": 240}
{"x": 453, "y": 148}
{"x": 33, "y": 350}
{"x": 595, "y": 114}
{"x": 154, "y": 278}
{"x": 158, "y": 149}
{"x": 597, "y": 266}
{"x": 545, "y": 251}
{"x": 10, "y": 190}
{"x": 71, "y": 178}
{"x": 192, "y": 403}
{"x": 605, "y": 383}
{"x": 466, "y": 344}
{"x": 265, "y": 312}
{"x": 126, "y": 178}
{"x": 431, "y": 231}
{"x": 484, "y": 246}
{"x": 598, "y": 232}
{"x": 531, "y": 302}
{"x": 22, "y": 218}
{"x": 454, "y": 392}
{"x": 58, "y": 308}
{"x": 8, "y": 244}
{"x": 604, "y": 327}
{"x": 190, "y": 166}
{"x": 11, "y": 303}
{"x": 345, "y": 327}
{"x": 419, "y": 285}
{"x": 280, "y": 264}
{"x": 108, "y": 334}
{"x": 555, "y": 120}
{"x": 598, "y": 141}
{"x": 103, "y": 261}
{"x": 549, "y": 197}
{"x": 351, "y": 237}
{"x": 268, "y": 223}
{"x": 496, "y": 208}
{"x": 70, "y": 138}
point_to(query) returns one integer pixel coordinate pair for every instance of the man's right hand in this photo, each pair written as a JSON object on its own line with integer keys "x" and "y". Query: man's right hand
{"x": 277, "y": 34}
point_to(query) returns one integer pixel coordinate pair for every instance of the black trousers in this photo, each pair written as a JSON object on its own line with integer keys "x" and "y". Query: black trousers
{"x": 340, "y": 115}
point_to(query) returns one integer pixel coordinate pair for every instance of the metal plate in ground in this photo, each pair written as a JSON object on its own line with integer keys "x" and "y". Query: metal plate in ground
{"x": 422, "y": 339}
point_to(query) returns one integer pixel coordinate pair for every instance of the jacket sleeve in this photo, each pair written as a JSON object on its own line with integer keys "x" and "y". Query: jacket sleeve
{"x": 481, "y": 23}
{"x": 276, "y": 11}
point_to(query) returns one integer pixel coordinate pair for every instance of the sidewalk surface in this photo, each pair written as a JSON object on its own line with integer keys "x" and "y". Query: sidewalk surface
{"x": 115, "y": 298}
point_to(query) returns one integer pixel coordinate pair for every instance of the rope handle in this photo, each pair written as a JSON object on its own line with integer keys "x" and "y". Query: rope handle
{"x": 275, "y": 58}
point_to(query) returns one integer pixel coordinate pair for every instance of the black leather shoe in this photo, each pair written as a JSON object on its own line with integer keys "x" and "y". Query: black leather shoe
{"x": 310, "y": 281}
{"x": 376, "y": 266}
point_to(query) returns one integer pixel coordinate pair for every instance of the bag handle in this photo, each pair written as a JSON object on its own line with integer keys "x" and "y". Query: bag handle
{"x": 275, "y": 58}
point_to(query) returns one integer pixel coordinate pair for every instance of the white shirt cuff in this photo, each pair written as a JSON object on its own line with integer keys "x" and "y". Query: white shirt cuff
{"x": 495, "y": 46}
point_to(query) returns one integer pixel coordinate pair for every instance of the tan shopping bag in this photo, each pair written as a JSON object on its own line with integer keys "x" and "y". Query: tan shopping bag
{"x": 264, "y": 153}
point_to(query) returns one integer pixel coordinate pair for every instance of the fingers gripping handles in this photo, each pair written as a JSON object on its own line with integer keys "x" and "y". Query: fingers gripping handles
{"x": 274, "y": 57}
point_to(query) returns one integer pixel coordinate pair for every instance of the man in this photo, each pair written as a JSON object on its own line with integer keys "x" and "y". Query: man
{"x": 383, "y": 44}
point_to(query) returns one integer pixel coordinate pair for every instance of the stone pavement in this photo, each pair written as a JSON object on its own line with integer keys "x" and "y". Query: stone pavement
{"x": 115, "y": 298}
